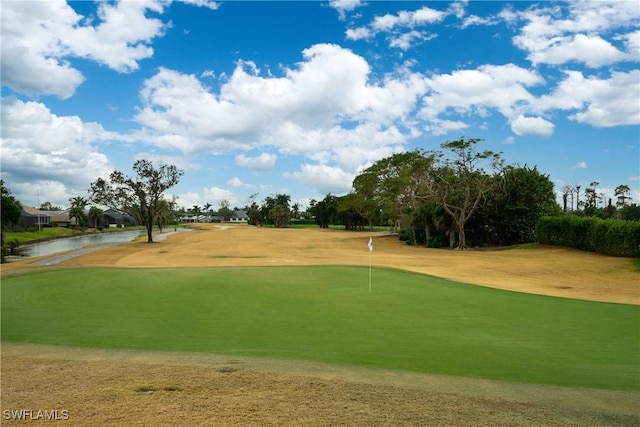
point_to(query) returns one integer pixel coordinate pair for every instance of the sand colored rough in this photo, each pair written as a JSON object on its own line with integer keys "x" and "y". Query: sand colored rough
{"x": 133, "y": 388}
{"x": 137, "y": 388}
{"x": 543, "y": 270}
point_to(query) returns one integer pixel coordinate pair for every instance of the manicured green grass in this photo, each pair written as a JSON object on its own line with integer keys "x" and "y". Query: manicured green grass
{"x": 48, "y": 233}
{"x": 409, "y": 321}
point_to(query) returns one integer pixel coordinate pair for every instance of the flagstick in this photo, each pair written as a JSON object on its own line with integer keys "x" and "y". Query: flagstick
{"x": 370, "y": 270}
{"x": 370, "y": 245}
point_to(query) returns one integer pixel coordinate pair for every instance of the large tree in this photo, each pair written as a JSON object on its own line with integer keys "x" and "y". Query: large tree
{"x": 592, "y": 198}
{"x": 10, "y": 215}
{"x": 460, "y": 183}
{"x": 324, "y": 211}
{"x": 365, "y": 200}
{"x": 623, "y": 195}
{"x": 510, "y": 215}
{"x": 225, "y": 212}
{"x": 393, "y": 184}
{"x": 254, "y": 211}
{"x": 281, "y": 213}
{"x": 139, "y": 196}
{"x": 95, "y": 215}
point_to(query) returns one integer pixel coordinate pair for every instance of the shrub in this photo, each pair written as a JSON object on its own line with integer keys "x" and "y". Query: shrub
{"x": 609, "y": 236}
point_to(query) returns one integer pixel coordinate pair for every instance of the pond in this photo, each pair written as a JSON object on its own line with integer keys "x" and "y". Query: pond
{"x": 78, "y": 242}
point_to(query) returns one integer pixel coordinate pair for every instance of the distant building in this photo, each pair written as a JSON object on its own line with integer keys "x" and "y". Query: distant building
{"x": 195, "y": 218}
{"x": 32, "y": 217}
{"x": 239, "y": 216}
{"x": 115, "y": 217}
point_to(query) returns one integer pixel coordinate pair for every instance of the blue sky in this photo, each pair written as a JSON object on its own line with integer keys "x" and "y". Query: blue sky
{"x": 297, "y": 97}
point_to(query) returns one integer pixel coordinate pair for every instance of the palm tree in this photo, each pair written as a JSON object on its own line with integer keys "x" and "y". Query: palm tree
{"x": 94, "y": 215}
{"x": 196, "y": 212}
{"x": 76, "y": 209}
{"x": 165, "y": 213}
{"x": 207, "y": 210}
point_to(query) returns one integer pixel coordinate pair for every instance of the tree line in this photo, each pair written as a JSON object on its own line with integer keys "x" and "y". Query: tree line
{"x": 457, "y": 196}
{"x": 594, "y": 203}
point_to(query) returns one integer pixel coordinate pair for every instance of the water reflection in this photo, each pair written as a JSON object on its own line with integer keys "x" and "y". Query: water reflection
{"x": 79, "y": 242}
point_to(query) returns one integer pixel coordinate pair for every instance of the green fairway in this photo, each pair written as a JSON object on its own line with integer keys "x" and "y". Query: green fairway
{"x": 409, "y": 321}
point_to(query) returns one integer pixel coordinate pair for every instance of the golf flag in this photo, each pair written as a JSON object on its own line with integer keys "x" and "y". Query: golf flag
{"x": 370, "y": 245}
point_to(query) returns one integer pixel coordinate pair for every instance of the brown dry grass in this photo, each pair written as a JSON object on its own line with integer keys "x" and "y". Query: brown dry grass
{"x": 109, "y": 387}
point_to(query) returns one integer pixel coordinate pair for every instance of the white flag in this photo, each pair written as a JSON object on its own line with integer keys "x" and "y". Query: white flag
{"x": 370, "y": 244}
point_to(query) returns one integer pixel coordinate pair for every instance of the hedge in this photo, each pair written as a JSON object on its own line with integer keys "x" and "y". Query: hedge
{"x": 606, "y": 236}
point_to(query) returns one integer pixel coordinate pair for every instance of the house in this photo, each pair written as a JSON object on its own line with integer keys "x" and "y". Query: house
{"x": 194, "y": 218}
{"x": 115, "y": 218}
{"x": 32, "y": 217}
{"x": 239, "y": 216}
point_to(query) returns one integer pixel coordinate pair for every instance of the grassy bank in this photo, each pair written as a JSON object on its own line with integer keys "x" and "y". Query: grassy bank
{"x": 46, "y": 233}
{"x": 52, "y": 233}
{"x": 409, "y": 321}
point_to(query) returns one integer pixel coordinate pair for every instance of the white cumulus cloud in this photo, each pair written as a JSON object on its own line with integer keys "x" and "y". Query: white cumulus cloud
{"x": 49, "y": 150}
{"x": 39, "y": 38}
{"x": 401, "y": 27}
{"x": 553, "y": 37}
{"x": 235, "y": 182}
{"x": 315, "y": 109}
{"x": 325, "y": 179}
{"x": 522, "y": 125}
{"x": 599, "y": 102}
{"x": 263, "y": 162}
{"x": 503, "y": 88}
{"x": 344, "y": 6}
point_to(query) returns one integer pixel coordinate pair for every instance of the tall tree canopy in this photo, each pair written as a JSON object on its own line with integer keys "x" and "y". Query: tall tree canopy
{"x": 324, "y": 211}
{"x": 11, "y": 209}
{"x": 95, "y": 215}
{"x": 460, "y": 183}
{"x": 10, "y": 215}
{"x": 454, "y": 193}
{"x": 140, "y": 196}
{"x": 392, "y": 184}
{"x": 521, "y": 197}
{"x": 276, "y": 210}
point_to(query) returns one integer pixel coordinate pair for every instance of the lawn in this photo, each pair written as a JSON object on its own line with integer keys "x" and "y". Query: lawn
{"x": 45, "y": 233}
{"x": 50, "y": 233}
{"x": 409, "y": 321}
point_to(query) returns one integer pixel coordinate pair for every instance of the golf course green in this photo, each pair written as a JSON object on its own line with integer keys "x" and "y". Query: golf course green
{"x": 408, "y": 321}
